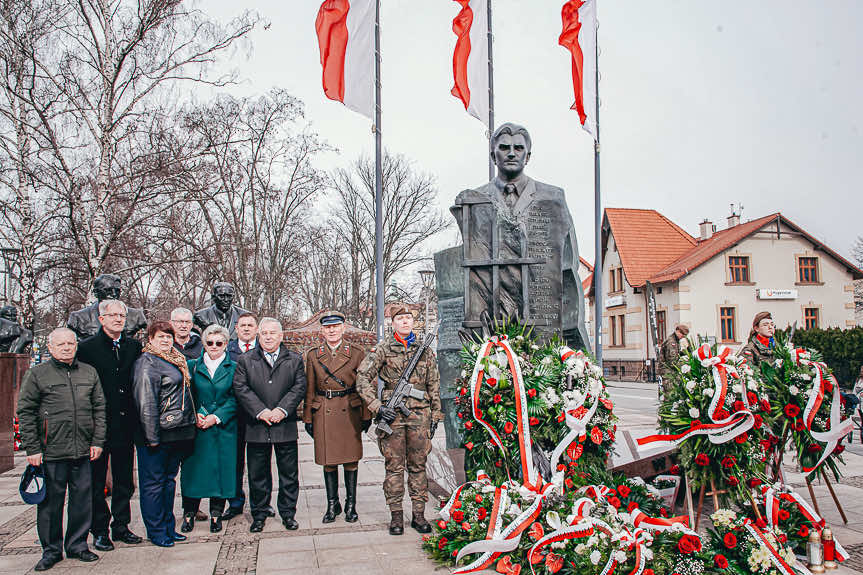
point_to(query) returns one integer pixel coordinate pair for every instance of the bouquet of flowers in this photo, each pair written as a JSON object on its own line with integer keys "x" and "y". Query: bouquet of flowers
{"x": 509, "y": 402}
{"x": 748, "y": 547}
{"x": 802, "y": 391}
{"x": 719, "y": 414}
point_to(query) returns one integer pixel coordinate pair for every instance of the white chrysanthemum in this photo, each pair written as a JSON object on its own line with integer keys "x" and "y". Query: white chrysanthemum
{"x": 647, "y": 553}
{"x": 690, "y": 385}
{"x": 581, "y": 549}
{"x": 559, "y": 544}
{"x": 534, "y": 347}
{"x": 793, "y": 390}
{"x": 708, "y": 391}
{"x": 693, "y": 412}
{"x": 620, "y": 557}
{"x": 595, "y": 557}
{"x": 737, "y": 388}
{"x": 805, "y": 377}
{"x": 685, "y": 368}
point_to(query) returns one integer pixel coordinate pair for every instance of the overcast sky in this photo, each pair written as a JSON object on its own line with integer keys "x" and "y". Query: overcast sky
{"x": 704, "y": 103}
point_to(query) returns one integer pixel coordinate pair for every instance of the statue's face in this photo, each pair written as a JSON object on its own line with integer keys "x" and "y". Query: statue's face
{"x": 9, "y": 312}
{"x": 106, "y": 286}
{"x": 511, "y": 155}
{"x": 223, "y": 297}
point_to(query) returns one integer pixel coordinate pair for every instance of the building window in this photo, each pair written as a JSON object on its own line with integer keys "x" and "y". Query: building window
{"x": 807, "y": 270}
{"x": 738, "y": 269}
{"x": 728, "y": 324}
{"x": 810, "y": 318}
{"x": 660, "y": 326}
{"x": 618, "y": 330}
{"x": 615, "y": 280}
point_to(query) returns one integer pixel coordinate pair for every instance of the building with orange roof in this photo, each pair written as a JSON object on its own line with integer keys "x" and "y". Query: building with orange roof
{"x": 714, "y": 283}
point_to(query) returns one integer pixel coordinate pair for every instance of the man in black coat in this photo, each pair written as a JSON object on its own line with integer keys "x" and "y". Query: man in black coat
{"x": 269, "y": 383}
{"x": 113, "y": 354}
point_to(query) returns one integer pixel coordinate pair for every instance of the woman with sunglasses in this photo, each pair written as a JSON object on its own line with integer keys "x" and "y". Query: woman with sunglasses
{"x": 210, "y": 471}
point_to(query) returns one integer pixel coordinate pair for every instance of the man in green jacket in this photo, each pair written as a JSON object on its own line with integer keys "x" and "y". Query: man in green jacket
{"x": 61, "y": 415}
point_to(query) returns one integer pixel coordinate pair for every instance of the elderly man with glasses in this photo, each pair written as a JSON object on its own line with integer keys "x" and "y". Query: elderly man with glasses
{"x": 186, "y": 341}
{"x": 113, "y": 353}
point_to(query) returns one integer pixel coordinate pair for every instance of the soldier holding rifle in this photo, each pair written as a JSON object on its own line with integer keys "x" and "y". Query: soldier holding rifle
{"x": 412, "y": 418}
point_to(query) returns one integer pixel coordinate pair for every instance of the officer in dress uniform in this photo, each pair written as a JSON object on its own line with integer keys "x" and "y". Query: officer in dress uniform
{"x": 334, "y": 414}
{"x": 410, "y": 442}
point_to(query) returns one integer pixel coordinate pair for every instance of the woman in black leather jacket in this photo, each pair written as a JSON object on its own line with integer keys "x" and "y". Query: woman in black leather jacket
{"x": 163, "y": 396}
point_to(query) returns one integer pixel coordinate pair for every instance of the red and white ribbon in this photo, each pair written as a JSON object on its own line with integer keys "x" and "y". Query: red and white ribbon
{"x": 772, "y": 553}
{"x": 838, "y": 427}
{"x": 481, "y": 480}
{"x": 772, "y": 499}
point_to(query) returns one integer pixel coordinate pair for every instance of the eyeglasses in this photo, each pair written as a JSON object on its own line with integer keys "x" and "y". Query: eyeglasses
{"x": 114, "y": 315}
{"x": 182, "y": 321}
{"x": 216, "y": 343}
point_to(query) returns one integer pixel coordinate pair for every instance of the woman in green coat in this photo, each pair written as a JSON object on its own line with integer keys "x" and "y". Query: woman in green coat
{"x": 210, "y": 471}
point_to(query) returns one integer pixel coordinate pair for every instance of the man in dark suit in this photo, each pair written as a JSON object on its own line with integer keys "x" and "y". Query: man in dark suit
{"x": 113, "y": 354}
{"x": 269, "y": 384}
{"x": 247, "y": 340}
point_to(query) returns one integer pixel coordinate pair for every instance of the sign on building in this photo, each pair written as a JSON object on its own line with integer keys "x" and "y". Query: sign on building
{"x": 770, "y": 293}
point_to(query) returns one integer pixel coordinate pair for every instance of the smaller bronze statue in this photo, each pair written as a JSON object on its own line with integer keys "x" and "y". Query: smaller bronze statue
{"x": 85, "y": 321}
{"x": 14, "y": 338}
{"x": 223, "y": 311}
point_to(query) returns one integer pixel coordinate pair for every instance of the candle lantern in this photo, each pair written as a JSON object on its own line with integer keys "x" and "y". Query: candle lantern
{"x": 815, "y": 552}
{"x": 829, "y": 545}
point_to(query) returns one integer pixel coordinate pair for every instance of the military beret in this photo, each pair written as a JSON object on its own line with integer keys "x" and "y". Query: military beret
{"x": 399, "y": 309}
{"x": 332, "y": 317}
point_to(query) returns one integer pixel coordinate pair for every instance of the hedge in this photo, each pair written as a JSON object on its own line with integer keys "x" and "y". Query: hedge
{"x": 842, "y": 350}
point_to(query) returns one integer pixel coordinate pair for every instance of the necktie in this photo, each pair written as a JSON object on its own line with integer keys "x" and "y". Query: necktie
{"x": 271, "y": 358}
{"x": 510, "y": 195}
{"x": 247, "y": 346}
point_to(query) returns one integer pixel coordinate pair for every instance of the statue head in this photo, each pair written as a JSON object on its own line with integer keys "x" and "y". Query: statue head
{"x": 510, "y": 150}
{"x": 223, "y": 296}
{"x": 9, "y": 312}
{"x": 106, "y": 286}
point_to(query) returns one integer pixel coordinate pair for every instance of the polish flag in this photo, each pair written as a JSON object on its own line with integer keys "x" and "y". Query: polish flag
{"x": 346, "y": 37}
{"x": 579, "y": 37}
{"x": 470, "y": 59}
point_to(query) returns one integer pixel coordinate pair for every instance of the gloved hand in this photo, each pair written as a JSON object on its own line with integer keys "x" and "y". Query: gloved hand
{"x": 433, "y": 429}
{"x": 310, "y": 429}
{"x": 387, "y": 414}
{"x": 366, "y": 423}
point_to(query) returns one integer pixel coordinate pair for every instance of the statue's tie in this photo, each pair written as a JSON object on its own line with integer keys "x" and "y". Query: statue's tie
{"x": 510, "y": 195}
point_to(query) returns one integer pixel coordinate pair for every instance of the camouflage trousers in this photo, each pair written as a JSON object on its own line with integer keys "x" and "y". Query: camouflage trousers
{"x": 407, "y": 446}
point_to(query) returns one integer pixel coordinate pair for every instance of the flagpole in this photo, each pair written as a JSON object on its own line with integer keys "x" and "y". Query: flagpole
{"x": 490, "y": 96}
{"x": 379, "y": 224}
{"x": 597, "y": 208}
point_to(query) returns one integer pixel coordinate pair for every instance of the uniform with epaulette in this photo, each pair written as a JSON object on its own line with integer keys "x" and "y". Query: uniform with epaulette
{"x": 410, "y": 442}
{"x": 335, "y": 416}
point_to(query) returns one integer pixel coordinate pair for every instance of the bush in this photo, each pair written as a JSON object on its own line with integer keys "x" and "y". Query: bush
{"x": 842, "y": 350}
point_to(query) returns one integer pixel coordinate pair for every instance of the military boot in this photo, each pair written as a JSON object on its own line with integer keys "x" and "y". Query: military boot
{"x": 351, "y": 495}
{"x": 331, "y": 482}
{"x": 397, "y": 523}
{"x": 418, "y": 521}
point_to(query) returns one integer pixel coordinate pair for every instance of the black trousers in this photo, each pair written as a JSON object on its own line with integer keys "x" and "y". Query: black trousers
{"x": 193, "y": 504}
{"x": 122, "y": 463}
{"x": 259, "y": 456}
{"x": 239, "y": 500}
{"x": 74, "y": 474}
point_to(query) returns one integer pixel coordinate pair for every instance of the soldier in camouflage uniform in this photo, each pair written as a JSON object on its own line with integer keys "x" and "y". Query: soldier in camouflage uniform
{"x": 669, "y": 352}
{"x": 410, "y": 441}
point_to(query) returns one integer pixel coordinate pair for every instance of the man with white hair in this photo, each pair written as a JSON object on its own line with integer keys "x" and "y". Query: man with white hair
{"x": 269, "y": 383}
{"x": 61, "y": 413}
{"x": 186, "y": 341}
{"x": 113, "y": 353}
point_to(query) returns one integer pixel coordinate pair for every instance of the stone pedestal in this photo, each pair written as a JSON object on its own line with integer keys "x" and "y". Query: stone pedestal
{"x": 12, "y": 368}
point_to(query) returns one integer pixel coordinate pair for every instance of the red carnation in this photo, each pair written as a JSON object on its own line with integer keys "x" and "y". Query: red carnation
{"x": 491, "y": 381}
{"x": 498, "y": 463}
{"x": 508, "y": 427}
{"x": 695, "y": 423}
{"x": 760, "y": 523}
{"x": 468, "y": 424}
{"x": 803, "y": 532}
{"x": 814, "y": 448}
{"x": 569, "y": 484}
{"x": 632, "y": 505}
{"x": 478, "y": 498}
{"x": 733, "y": 481}
{"x": 458, "y": 515}
{"x": 441, "y": 543}
{"x": 782, "y": 538}
{"x": 740, "y": 439}
{"x": 721, "y": 561}
{"x": 481, "y": 513}
{"x": 533, "y": 421}
{"x": 497, "y": 398}
{"x": 648, "y": 572}
{"x": 730, "y": 540}
{"x": 675, "y": 469}
{"x": 783, "y": 514}
{"x": 663, "y": 511}
{"x": 469, "y": 445}
{"x": 462, "y": 391}
{"x": 738, "y": 406}
{"x": 765, "y": 405}
{"x": 839, "y": 449}
{"x": 754, "y": 482}
{"x": 624, "y": 490}
{"x": 441, "y": 524}
{"x": 479, "y": 414}
{"x": 702, "y": 459}
{"x": 729, "y": 461}
{"x": 685, "y": 545}
{"x": 792, "y": 410}
{"x": 799, "y": 425}
{"x": 465, "y": 526}
{"x": 751, "y": 398}
{"x": 614, "y": 502}
{"x": 460, "y": 415}
{"x": 561, "y": 417}
{"x": 721, "y": 414}
{"x": 758, "y": 421}
{"x": 531, "y": 392}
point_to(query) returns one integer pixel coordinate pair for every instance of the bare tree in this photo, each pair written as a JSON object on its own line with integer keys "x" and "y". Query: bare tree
{"x": 411, "y": 219}
{"x": 857, "y": 253}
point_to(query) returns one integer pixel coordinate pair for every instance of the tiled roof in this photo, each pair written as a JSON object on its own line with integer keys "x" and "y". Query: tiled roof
{"x": 586, "y": 283}
{"x": 585, "y": 263}
{"x": 647, "y": 242}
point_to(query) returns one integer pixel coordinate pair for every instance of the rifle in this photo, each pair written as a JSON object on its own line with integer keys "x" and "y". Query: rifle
{"x": 404, "y": 388}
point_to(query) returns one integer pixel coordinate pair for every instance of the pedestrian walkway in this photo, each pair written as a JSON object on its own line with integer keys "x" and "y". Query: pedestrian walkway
{"x": 333, "y": 549}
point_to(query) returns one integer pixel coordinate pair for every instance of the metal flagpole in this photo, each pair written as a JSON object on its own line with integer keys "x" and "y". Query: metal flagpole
{"x": 597, "y": 207}
{"x": 379, "y": 185}
{"x": 490, "y": 96}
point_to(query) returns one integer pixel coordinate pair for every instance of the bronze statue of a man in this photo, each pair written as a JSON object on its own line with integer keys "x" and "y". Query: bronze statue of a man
{"x": 520, "y": 253}
{"x": 85, "y": 321}
{"x": 222, "y": 312}
{"x": 14, "y": 338}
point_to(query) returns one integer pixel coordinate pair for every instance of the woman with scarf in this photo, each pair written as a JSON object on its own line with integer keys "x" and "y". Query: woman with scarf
{"x": 761, "y": 343}
{"x": 163, "y": 397}
{"x": 211, "y": 470}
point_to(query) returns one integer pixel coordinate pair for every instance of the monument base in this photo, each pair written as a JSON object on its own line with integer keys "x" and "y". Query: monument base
{"x": 12, "y": 368}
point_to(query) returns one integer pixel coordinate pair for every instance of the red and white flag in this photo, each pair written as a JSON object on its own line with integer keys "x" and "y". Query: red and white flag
{"x": 346, "y": 37}
{"x": 470, "y": 58}
{"x": 579, "y": 37}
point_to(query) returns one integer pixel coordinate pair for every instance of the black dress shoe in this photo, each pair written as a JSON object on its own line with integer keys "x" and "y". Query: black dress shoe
{"x": 188, "y": 522}
{"x": 177, "y": 537}
{"x": 290, "y": 524}
{"x": 257, "y": 526}
{"x": 86, "y": 556}
{"x": 215, "y": 523}
{"x": 46, "y": 563}
{"x": 231, "y": 513}
{"x": 102, "y": 543}
{"x": 127, "y": 537}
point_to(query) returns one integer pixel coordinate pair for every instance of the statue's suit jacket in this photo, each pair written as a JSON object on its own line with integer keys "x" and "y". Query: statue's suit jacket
{"x": 208, "y": 316}
{"x": 85, "y": 321}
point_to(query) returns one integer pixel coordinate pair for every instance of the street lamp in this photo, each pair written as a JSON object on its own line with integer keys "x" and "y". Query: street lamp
{"x": 427, "y": 277}
{"x": 10, "y": 258}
